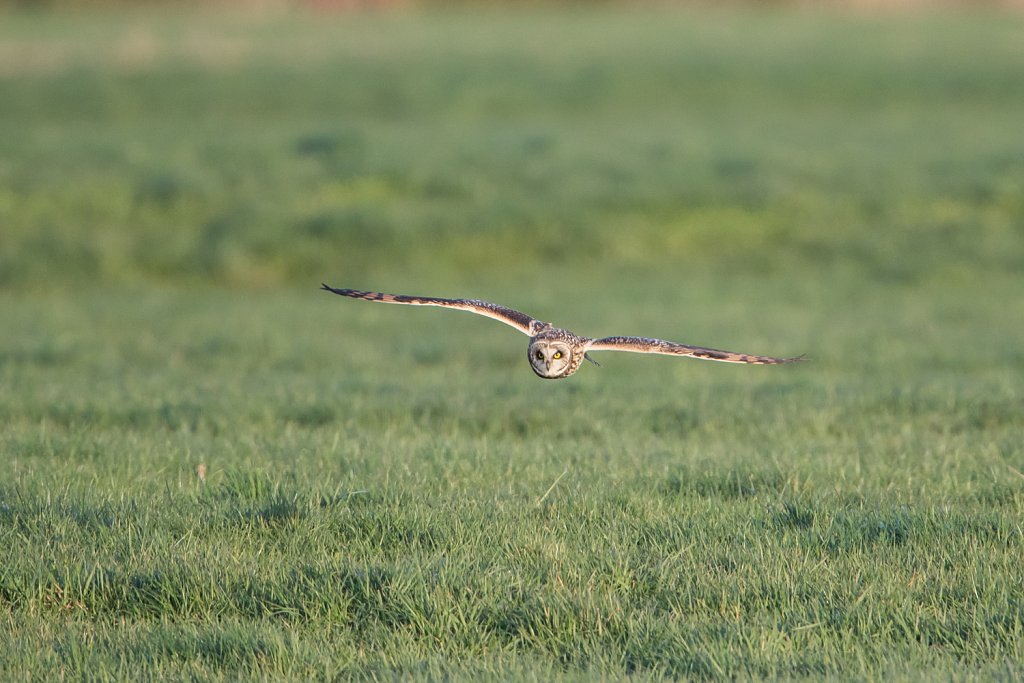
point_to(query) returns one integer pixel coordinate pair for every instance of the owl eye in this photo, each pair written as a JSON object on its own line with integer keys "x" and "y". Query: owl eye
{"x": 539, "y": 355}
{"x": 558, "y": 354}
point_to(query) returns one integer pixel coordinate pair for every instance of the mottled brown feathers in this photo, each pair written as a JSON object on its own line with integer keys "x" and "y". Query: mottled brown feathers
{"x": 555, "y": 353}
{"x": 646, "y": 345}
{"x": 516, "y": 319}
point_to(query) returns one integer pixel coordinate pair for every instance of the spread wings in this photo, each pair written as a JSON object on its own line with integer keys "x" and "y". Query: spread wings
{"x": 645, "y": 345}
{"x": 516, "y": 319}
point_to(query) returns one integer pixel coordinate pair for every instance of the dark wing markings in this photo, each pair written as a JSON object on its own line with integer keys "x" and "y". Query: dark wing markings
{"x": 647, "y": 345}
{"x": 509, "y": 316}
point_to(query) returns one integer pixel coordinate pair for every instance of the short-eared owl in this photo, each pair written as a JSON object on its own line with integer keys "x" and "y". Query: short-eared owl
{"x": 555, "y": 353}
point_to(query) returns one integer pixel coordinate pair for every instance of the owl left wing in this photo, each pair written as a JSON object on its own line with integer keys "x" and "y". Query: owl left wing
{"x": 647, "y": 345}
{"x": 517, "y": 319}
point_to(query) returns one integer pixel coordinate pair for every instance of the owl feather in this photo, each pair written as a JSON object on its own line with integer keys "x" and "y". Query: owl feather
{"x": 555, "y": 353}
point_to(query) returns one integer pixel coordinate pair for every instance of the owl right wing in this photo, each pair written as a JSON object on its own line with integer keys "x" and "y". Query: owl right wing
{"x": 516, "y": 319}
{"x": 646, "y": 345}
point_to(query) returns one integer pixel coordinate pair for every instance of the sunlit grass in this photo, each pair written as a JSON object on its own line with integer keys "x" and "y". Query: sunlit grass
{"x": 210, "y": 469}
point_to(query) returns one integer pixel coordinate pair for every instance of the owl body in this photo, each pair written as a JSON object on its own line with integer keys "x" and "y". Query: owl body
{"x": 555, "y": 353}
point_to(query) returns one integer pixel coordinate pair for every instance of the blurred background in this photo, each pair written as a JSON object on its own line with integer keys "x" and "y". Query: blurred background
{"x": 209, "y": 466}
{"x": 806, "y": 169}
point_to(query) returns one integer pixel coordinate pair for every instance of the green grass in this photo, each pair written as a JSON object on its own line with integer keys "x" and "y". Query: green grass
{"x": 391, "y": 493}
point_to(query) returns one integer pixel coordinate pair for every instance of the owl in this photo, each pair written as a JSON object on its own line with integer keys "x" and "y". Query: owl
{"x": 555, "y": 353}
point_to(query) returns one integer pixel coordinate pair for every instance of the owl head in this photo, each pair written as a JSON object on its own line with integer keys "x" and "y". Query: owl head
{"x": 551, "y": 358}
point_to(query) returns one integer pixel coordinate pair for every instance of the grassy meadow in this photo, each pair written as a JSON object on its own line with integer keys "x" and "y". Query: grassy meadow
{"x": 210, "y": 470}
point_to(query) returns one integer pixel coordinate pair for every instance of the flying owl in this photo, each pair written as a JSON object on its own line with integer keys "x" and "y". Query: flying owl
{"x": 555, "y": 353}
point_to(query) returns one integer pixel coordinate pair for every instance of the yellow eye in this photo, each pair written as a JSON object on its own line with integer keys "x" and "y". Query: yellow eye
{"x": 539, "y": 355}
{"x": 558, "y": 354}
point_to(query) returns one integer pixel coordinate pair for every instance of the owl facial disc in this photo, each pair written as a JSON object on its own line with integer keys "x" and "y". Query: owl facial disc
{"x": 551, "y": 358}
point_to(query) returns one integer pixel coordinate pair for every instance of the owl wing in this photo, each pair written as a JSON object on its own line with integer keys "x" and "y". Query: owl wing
{"x": 516, "y": 319}
{"x": 645, "y": 345}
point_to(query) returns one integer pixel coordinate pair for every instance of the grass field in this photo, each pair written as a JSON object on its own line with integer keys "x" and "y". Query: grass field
{"x": 389, "y": 492}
